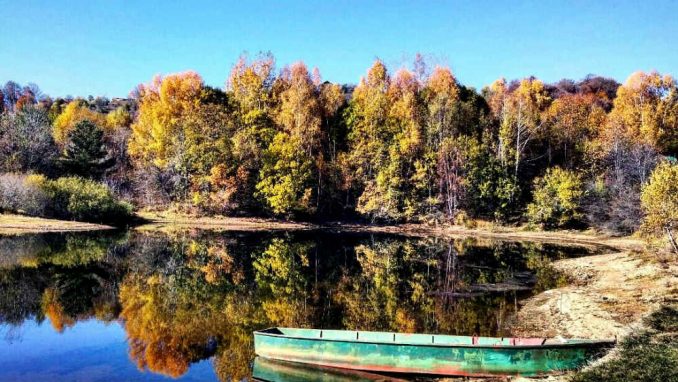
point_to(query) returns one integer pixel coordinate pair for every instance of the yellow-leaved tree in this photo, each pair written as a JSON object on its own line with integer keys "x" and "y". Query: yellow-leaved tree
{"x": 366, "y": 119}
{"x": 646, "y": 111}
{"x": 75, "y": 112}
{"x": 573, "y": 121}
{"x": 182, "y": 129}
{"x": 165, "y": 105}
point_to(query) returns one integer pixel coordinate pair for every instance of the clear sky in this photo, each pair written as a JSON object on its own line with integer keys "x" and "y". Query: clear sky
{"x": 107, "y": 47}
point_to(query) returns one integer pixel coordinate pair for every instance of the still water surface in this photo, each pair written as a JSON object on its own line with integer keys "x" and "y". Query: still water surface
{"x": 135, "y": 306}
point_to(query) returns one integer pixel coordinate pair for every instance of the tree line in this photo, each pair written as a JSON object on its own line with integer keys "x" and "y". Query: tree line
{"x": 409, "y": 145}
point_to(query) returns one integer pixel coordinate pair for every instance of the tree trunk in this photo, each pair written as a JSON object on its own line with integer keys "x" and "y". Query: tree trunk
{"x": 672, "y": 240}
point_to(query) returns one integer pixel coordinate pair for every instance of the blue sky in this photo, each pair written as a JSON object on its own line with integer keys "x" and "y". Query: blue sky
{"x": 107, "y": 47}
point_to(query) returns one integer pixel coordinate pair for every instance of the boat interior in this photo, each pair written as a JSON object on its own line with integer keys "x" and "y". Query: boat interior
{"x": 415, "y": 339}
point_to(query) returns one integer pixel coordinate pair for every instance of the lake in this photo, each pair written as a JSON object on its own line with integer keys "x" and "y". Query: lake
{"x": 150, "y": 306}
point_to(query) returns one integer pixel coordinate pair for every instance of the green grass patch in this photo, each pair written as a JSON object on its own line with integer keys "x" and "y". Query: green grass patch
{"x": 650, "y": 355}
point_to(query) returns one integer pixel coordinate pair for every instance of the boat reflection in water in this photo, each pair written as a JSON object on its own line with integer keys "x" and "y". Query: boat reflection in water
{"x": 268, "y": 370}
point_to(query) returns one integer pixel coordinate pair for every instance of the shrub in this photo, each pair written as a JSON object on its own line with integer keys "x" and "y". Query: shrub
{"x": 86, "y": 200}
{"x": 557, "y": 199}
{"x": 659, "y": 199}
{"x": 23, "y": 194}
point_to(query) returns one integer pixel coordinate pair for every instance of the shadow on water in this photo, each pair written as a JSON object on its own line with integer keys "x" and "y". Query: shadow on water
{"x": 187, "y": 298}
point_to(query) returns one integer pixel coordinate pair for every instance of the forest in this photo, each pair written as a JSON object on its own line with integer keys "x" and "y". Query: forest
{"x": 405, "y": 145}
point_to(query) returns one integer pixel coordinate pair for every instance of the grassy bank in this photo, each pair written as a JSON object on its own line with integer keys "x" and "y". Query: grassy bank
{"x": 648, "y": 355}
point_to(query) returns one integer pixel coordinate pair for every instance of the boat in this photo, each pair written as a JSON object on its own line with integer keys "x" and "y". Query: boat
{"x": 428, "y": 354}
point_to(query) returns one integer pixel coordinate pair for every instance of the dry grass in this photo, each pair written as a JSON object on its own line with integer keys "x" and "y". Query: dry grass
{"x": 170, "y": 221}
{"x": 18, "y": 224}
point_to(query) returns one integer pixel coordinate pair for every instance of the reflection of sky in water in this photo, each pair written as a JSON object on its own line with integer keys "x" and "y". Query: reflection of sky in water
{"x": 89, "y": 351}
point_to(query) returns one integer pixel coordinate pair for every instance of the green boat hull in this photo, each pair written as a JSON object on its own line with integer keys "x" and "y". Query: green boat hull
{"x": 425, "y": 354}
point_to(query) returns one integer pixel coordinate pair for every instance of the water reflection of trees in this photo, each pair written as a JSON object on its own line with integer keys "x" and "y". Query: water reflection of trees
{"x": 186, "y": 297}
{"x": 65, "y": 278}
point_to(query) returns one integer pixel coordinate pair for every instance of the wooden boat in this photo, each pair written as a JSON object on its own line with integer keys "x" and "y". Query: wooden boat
{"x": 431, "y": 354}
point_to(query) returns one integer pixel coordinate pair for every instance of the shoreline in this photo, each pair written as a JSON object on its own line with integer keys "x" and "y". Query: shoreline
{"x": 163, "y": 222}
{"x": 12, "y": 224}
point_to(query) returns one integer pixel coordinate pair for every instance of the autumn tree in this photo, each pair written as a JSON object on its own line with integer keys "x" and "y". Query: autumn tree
{"x": 75, "y": 112}
{"x": 456, "y": 120}
{"x": 119, "y": 118}
{"x": 388, "y": 194}
{"x": 332, "y": 99}
{"x": 628, "y": 145}
{"x": 522, "y": 120}
{"x": 602, "y": 88}
{"x": 332, "y": 103}
{"x": 557, "y": 199}
{"x": 368, "y": 135}
{"x": 249, "y": 85}
{"x": 496, "y": 96}
{"x": 572, "y": 120}
{"x": 290, "y": 175}
{"x": 442, "y": 103}
{"x": 181, "y": 131}
{"x": 117, "y": 140}
{"x": 285, "y": 176}
{"x": 441, "y": 161}
{"x": 27, "y": 98}
{"x": 646, "y": 111}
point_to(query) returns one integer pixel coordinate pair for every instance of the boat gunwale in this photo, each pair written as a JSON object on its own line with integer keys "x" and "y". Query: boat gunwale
{"x": 586, "y": 344}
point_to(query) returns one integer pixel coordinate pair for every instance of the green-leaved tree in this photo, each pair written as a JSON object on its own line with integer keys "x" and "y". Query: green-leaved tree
{"x": 557, "y": 199}
{"x": 85, "y": 154}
